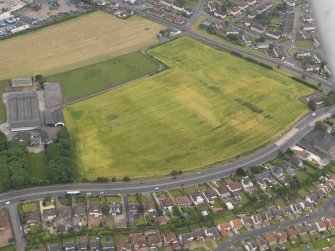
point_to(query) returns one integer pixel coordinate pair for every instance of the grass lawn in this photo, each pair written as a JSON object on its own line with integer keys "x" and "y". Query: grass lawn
{"x": 37, "y": 165}
{"x": 29, "y": 207}
{"x": 115, "y": 198}
{"x": 3, "y": 114}
{"x": 176, "y": 193}
{"x": 132, "y": 198}
{"x": 190, "y": 189}
{"x": 71, "y": 44}
{"x": 305, "y": 43}
{"x": 209, "y": 106}
{"x": 191, "y": 3}
{"x": 65, "y": 201}
{"x": 8, "y": 248}
{"x": 95, "y": 78}
{"x": 321, "y": 244}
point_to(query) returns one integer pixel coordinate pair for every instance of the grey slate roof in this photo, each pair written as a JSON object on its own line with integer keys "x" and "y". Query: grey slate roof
{"x": 53, "y": 95}
{"x": 23, "y": 111}
{"x": 22, "y": 82}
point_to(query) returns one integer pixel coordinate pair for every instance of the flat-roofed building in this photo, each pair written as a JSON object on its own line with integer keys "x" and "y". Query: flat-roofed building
{"x": 53, "y": 95}
{"x": 22, "y": 82}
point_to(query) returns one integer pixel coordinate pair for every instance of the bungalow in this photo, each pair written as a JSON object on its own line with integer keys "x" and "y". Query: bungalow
{"x": 235, "y": 11}
{"x": 277, "y": 213}
{"x": 79, "y": 211}
{"x": 197, "y": 198}
{"x": 330, "y": 222}
{"x": 292, "y": 234}
{"x": 222, "y": 191}
{"x": 198, "y": 234}
{"x": 212, "y": 233}
{"x": 139, "y": 241}
{"x": 235, "y": 224}
{"x": 318, "y": 100}
{"x": 183, "y": 201}
{"x": 246, "y": 221}
{"x": 224, "y": 228}
{"x": 247, "y": 183}
{"x": 250, "y": 245}
{"x": 170, "y": 239}
{"x": 301, "y": 230}
{"x": 210, "y": 195}
{"x": 123, "y": 246}
{"x": 166, "y": 203}
{"x": 49, "y": 214}
{"x": 321, "y": 225}
{"x": 262, "y": 244}
{"x": 257, "y": 219}
{"x": 234, "y": 187}
{"x": 154, "y": 241}
{"x": 281, "y": 236}
{"x": 258, "y": 29}
{"x": 54, "y": 247}
{"x": 270, "y": 238}
{"x": 185, "y": 239}
{"x": 149, "y": 207}
{"x": 32, "y": 218}
{"x": 95, "y": 211}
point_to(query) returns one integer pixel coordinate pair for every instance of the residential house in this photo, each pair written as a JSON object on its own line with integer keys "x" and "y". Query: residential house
{"x": 79, "y": 211}
{"x": 183, "y": 201}
{"x": 95, "y": 211}
{"x": 246, "y": 221}
{"x": 257, "y": 219}
{"x": 247, "y": 22}
{"x": 243, "y": 6}
{"x": 262, "y": 244}
{"x": 235, "y": 224}
{"x": 223, "y": 191}
{"x": 220, "y": 14}
{"x": 170, "y": 239}
{"x": 321, "y": 225}
{"x": 161, "y": 220}
{"x": 290, "y": 3}
{"x": 64, "y": 213}
{"x": 312, "y": 228}
{"x": 185, "y": 239}
{"x": 297, "y": 162}
{"x": 49, "y": 214}
{"x": 270, "y": 238}
{"x": 166, "y": 204}
{"x": 123, "y": 246}
{"x": 149, "y": 207}
{"x": 267, "y": 215}
{"x": 210, "y": 195}
{"x": 54, "y": 247}
{"x": 301, "y": 230}
{"x": 250, "y": 245}
{"x": 107, "y": 246}
{"x": 330, "y": 222}
{"x": 277, "y": 213}
{"x": 82, "y": 244}
{"x": 258, "y": 29}
{"x": 154, "y": 241}
{"x": 292, "y": 234}
{"x": 295, "y": 208}
{"x": 302, "y": 54}
{"x": 234, "y": 187}
{"x": 198, "y": 234}
{"x": 252, "y": 14}
{"x": 273, "y": 34}
{"x": 69, "y": 245}
{"x": 281, "y": 236}
{"x": 139, "y": 241}
{"x": 247, "y": 183}
{"x": 212, "y": 233}
{"x": 235, "y": 11}
{"x": 197, "y": 198}
{"x": 224, "y": 228}
{"x": 32, "y": 218}
{"x": 115, "y": 208}
{"x": 246, "y": 39}
{"x": 251, "y": 2}
{"x": 278, "y": 172}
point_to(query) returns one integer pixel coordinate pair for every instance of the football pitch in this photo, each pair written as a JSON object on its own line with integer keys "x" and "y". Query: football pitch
{"x": 78, "y": 42}
{"x": 209, "y": 106}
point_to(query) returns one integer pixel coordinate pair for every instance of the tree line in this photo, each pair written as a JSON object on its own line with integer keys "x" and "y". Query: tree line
{"x": 15, "y": 166}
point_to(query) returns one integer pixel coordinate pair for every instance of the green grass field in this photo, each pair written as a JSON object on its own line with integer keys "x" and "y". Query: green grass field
{"x": 94, "y": 78}
{"x": 38, "y": 165}
{"x": 210, "y": 106}
{"x": 3, "y": 86}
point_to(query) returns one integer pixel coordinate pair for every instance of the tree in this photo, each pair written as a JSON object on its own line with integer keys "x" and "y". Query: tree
{"x": 3, "y": 142}
{"x": 257, "y": 169}
{"x": 319, "y": 125}
{"x": 240, "y": 172}
{"x": 126, "y": 179}
{"x": 174, "y": 172}
{"x": 312, "y": 105}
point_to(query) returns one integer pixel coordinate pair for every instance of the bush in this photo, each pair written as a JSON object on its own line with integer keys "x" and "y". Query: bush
{"x": 102, "y": 179}
{"x": 302, "y": 81}
{"x": 126, "y": 179}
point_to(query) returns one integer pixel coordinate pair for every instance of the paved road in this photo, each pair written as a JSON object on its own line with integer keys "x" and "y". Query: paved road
{"x": 325, "y": 212}
{"x": 18, "y": 233}
{"x": 295, "y": 27}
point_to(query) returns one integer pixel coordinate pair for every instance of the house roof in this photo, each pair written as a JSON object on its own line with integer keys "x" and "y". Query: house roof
{"x": 161, "y": 220}
{"x": 210, "y": 193}
{"x": 154, "y": 239}
{"x": 246, "y": 221}
{"x": 19, "y": 82}
{"x": 149, "y": 205}
{"x": 236, "y": 223}
{"x": 235, "y": 185}
{"x": 140, "y": 240}
{"x": 53, "y": 95}
{"x": 222, "y": 189}
{"x": 166, "y": 202}
{"x": 197, "y": 233}
{"x": 281, "y": 235}
{"x": 291, "y": 233}
{"x": 170, "y": 237}
{"x": 49, "y": 212}
{"x": 270, "y": 237}
{"x": 32, "y": 217}
{"x": 182, "y": 200}
{"x": 319, "y": 141}
{"x": 123, "y": 246}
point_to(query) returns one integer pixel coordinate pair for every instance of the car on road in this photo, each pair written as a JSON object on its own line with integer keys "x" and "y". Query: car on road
{"x": 101, "y": 192}
{"x": 88, "y": 193}
{"x": 156, "y": 188}
{"x": 7, "y": 202}
{"x": 313, "y": 114}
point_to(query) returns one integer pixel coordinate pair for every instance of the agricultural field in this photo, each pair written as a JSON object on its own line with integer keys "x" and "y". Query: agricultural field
{"x": 87, "y": 80}
{"x": 209, "y": 106}
{"x": 81, "y": 41}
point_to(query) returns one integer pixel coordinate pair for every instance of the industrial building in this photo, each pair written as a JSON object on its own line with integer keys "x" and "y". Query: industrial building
{"x": 23, "y": 111}
{"x": 53, "y": 95}
{"x": 22, "y": 82}
{"x": 54, "y": 118}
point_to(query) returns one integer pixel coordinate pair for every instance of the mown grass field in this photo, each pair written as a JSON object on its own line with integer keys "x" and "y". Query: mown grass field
{"x": 94, "y": 78}
{"x": 75, "y": 43}
{"x": 209, "y": 106}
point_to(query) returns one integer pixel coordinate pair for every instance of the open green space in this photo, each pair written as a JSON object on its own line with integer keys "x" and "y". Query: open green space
{"x": 209, "y": 106}
{"x": 8, "y": 248}
{"x": 38, "y": 165}
{"x": 98, "y": 77}
{"x": 29, "y": 207}
{"x": 3, "y": 86}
